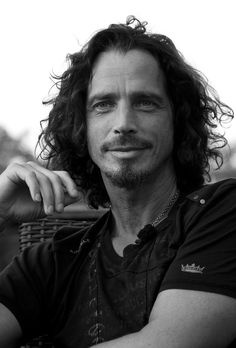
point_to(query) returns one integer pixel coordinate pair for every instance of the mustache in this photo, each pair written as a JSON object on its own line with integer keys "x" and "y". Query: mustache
{"x": 126, "y": 140}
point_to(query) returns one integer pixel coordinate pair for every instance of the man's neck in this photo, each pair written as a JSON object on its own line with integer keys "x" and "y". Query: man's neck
{"x": 133, "y": 209}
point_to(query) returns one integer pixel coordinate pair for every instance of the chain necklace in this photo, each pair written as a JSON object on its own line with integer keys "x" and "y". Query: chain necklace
{"x": 163, "y": 215}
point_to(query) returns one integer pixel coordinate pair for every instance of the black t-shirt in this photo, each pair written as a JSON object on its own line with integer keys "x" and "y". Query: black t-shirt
{"x": 80, "y": 291}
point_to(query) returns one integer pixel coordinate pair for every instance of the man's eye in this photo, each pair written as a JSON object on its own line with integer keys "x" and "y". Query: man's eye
{"x": 103, "y": 106}
{"x": 145, "y": 104}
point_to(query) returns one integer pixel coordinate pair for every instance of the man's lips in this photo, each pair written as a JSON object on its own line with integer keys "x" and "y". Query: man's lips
{"x": 126, "y": 144}
{"x": 126, "y": 148}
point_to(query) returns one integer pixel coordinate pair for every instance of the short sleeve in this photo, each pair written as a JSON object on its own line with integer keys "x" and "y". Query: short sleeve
{"x": 206, "y": 259}
{"x": 23, "y": 288}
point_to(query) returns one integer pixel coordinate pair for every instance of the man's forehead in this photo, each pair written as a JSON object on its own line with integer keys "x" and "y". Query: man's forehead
{"x": 125, "y": 59}
{"x": 135, "y": 65}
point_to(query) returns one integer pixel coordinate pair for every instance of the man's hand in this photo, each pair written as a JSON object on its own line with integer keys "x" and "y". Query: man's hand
{"x": 29, "y": 191}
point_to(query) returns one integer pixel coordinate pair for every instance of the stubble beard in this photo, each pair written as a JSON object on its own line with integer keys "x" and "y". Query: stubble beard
{"x": 127, "y": 177}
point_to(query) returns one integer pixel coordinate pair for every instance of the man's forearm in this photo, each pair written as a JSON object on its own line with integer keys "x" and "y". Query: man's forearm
{"x": 145, "y": 338}
{"x": 129, "y": 341}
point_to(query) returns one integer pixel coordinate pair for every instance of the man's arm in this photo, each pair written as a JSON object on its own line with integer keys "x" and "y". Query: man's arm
{"x": 10, "y": 330}
{"x": 184, "y": 319}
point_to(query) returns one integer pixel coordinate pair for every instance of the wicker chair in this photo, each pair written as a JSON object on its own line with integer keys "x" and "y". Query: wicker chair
{"x": 32, "y": 233}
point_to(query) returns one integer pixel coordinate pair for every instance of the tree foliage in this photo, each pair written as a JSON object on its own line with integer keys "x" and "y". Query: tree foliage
{"x": 12, "y": 149}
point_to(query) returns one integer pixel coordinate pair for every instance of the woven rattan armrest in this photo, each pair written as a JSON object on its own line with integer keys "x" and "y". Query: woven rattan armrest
{"x": 39, "y": 231}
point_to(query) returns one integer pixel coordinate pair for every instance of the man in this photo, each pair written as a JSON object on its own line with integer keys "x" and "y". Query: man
{"x": 133, "y": 124}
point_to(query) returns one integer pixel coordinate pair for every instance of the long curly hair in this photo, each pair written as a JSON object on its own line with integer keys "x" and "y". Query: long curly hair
{"x": 196, "y": 106}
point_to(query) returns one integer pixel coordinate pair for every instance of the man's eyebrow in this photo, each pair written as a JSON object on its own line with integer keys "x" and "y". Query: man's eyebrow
{"x": 146, "y": 94}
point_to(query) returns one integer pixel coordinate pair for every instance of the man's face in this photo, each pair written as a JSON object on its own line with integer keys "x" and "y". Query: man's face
{"x": 129, "y": 118}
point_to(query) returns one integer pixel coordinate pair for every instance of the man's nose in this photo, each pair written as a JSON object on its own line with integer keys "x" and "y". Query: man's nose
{"x": 125, "y": 120}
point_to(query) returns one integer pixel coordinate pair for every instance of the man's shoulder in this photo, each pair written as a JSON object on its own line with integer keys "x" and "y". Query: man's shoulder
{"x": 215, "y": 199}
{"x": 214, "y": 190}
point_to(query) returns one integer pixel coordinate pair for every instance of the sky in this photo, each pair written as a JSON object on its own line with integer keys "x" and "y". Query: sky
{"x": 36, "y": 36}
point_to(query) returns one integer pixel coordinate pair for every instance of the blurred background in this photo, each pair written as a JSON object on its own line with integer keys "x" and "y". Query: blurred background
{"x": 36, "y": 36}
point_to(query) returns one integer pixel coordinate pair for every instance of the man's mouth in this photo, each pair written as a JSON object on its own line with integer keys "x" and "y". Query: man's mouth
{"x": 126, "y": 144}
{"x": 126, "y": 148}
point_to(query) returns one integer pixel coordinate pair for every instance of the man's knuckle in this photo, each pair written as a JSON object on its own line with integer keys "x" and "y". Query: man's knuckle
{"x": 55, "y": 179}
{"x": 14, "y": 166}
{"x": 65, "y": 173}
{"x": 31, "y": 175}
{"x": 30, "y": 163}
{"x": 43, "y": 178}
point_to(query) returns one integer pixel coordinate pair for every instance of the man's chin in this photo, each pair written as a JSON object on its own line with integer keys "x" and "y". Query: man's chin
{"x": 127, "y": 179}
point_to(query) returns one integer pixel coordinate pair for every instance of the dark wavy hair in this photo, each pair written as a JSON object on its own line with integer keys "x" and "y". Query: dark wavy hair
{"x": 196, "y": 106}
